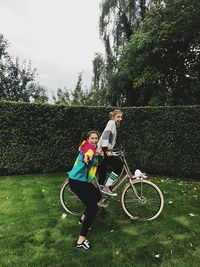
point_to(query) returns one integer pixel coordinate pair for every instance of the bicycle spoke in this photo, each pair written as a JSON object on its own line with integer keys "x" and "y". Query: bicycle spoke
{"x": 146, "y": 205}
{"x": 132, "y": 201}
{"x": 70, "y": 202}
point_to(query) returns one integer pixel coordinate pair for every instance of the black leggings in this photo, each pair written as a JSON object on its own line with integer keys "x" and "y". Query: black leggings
{"x": 115, "y": 163}
{"x": 90, "y": 196}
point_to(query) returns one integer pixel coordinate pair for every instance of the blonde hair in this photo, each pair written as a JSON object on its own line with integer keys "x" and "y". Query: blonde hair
{"x": 114, "y": 112}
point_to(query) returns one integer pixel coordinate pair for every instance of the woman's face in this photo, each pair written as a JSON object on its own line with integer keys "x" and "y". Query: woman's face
{"x": 117, "y": 118}
{"x": 93, "y": 139}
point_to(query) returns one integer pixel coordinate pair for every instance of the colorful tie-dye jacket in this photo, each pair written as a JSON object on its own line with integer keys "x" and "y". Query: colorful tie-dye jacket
{"x": 82, "y": 171}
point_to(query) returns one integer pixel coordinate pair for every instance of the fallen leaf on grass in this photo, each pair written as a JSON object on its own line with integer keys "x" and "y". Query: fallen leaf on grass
{"x": 64, "y": 215}
{"x": 157, "y": 256}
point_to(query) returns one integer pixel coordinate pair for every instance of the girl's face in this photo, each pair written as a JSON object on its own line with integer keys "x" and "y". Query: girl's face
{"x": 93, "y": 139}
{"x": 117, "y": 118}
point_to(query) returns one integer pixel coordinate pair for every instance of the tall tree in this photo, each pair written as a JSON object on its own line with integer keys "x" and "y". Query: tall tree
{"x": 14, "y": 76}
{"x": 75, "y": 97}
{"x": 37, "y": 92}
{"x": 162, "y": 59}
{"x": 62, "y": 97}
{"x": 98, "y": 71}
{"x": 77, "y": 94}
{"x": 118, "y": 21}
{"x": 3, "y": 46}
{"x": 97, "y": 94}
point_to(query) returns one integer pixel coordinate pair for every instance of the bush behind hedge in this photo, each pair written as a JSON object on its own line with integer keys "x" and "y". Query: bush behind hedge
{"x": 45, "y": 138}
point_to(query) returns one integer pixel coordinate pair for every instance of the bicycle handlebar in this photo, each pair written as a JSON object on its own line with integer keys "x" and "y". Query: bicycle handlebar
{"x": 117, "y": 153}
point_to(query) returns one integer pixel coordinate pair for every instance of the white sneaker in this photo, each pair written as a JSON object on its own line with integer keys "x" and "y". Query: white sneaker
{"x": 106, "y": 190}
{"x": 84, "y": 244}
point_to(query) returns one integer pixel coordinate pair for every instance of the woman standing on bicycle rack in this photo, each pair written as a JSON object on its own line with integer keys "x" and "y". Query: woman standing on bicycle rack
{"x": 80, "y": 182}
{"x": 106, "y": 144}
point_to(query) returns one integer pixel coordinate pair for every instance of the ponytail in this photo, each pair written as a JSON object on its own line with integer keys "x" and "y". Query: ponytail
{"x": 83, "y": 137}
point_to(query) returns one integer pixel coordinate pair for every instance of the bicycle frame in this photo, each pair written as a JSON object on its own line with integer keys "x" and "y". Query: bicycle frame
{"x": 128, "y": 175}
{"x": 135, "y": 191}
{"x": 125, "y": 174}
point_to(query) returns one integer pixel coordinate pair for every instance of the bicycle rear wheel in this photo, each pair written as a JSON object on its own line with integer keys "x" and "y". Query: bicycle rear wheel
{"x": 147, "y": 205}
{"x": 69, "y": 200}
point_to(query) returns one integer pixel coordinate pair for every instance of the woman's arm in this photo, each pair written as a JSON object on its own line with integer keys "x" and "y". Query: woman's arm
{"x": 107, "y": 137}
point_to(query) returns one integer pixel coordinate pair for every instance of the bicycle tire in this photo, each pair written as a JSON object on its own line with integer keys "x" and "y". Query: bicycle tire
{"x": 69, "y": 200}
{"x": 148, "y": 207}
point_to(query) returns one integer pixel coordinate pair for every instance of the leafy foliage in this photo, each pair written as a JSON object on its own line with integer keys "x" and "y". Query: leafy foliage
{"x": 37, "y": 93}
{"x": 17, "y": 79}
{"x": 77, "y": 94}
{"x": 152, "y": 52}
{"x": 75, "y": 97}
{"x": 119, "y": 19}
{"x": 162, "y": 59}
{"x": 40, "y": 138}
{"x": 62, "y": 97}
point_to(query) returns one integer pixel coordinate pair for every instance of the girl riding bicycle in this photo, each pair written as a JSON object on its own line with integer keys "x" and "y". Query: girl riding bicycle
{"x": 80, "y": 182}
{"x": 106, "y": 144}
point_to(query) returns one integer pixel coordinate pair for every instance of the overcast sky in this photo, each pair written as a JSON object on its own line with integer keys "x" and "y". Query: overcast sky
{"x": 60, "y": 37}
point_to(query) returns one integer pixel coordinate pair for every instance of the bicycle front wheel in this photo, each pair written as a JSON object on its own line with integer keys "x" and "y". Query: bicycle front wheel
{"x": 145, "y": 202}
{"x": 69, "y": 200}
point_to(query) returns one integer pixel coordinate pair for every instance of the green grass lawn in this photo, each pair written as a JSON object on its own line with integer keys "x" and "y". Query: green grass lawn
{"x": 33, "y": 232}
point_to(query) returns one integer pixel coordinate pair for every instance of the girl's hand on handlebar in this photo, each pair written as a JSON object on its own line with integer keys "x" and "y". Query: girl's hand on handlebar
{"x": 108, "y": 153}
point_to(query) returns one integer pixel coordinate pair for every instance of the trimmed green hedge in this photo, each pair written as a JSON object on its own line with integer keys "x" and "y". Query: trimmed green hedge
{"x": 163, "y": 140}
{"x": 44, "y": 138}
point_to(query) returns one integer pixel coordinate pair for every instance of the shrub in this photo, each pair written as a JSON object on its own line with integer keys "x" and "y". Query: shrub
{"x": 45, "y": 138}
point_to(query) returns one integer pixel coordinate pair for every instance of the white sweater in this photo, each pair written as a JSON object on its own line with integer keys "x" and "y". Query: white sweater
{"x": 108, "y": 137}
